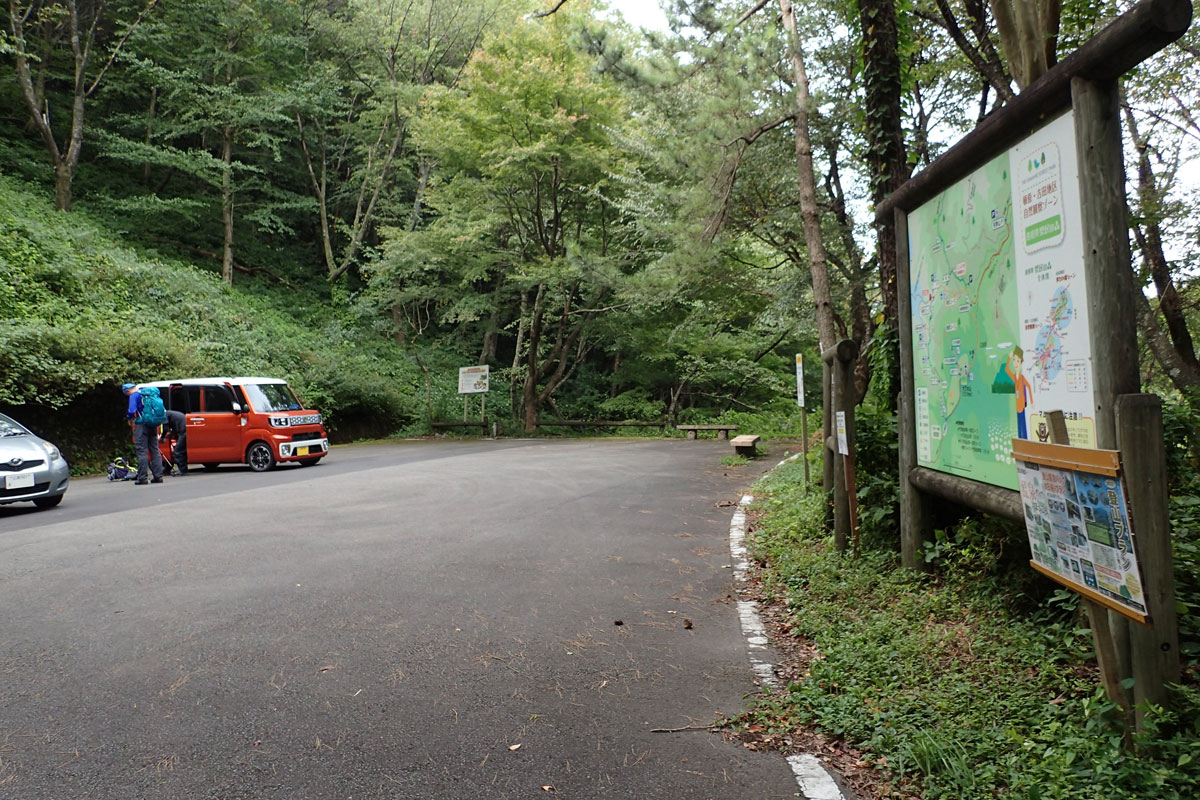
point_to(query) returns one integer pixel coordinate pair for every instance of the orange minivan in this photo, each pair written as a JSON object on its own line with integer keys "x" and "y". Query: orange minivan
{"x": 253, "y": 421}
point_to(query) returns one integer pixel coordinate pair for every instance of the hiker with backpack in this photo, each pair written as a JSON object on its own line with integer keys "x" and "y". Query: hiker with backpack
{"x": 145, "y": 413}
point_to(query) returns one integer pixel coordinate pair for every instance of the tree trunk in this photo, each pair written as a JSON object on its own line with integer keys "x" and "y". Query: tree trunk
{"x": 150, "y": 115}
{"x": 806, "y": 182}
{"x": 517, "y": 409}
{"x": 63, "y": 161}
{"x": 529, "y": 392}
{"x": 1029, "y": 35}
{"x": 886, "y": 157}
{"x": 1149, "y": 239}
{"x": 227, "y": 204}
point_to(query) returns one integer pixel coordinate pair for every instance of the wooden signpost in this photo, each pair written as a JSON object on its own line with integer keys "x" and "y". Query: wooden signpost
{"x": 803, "y": 415}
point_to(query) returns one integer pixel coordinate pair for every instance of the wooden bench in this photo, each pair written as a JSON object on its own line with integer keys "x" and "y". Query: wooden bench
{"x": 722, "y": 430}
{"x": 482, "y": 425}
{"x": 745, "y": 445}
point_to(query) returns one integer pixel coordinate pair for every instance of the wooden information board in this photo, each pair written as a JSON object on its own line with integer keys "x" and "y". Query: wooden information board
{"x": 1079, "y": 523}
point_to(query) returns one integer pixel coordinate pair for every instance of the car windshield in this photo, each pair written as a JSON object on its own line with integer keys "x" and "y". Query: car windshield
{"x": 271, "y": 397}
{"x": 10, "y": 427}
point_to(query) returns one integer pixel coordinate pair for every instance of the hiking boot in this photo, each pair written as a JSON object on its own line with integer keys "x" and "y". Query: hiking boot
{"x": 156, "y": 480}
{"x": 142, "y": 482}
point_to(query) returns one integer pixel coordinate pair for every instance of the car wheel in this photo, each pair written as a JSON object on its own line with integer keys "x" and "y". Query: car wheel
{"x": 308, "y": 462}
{"x": 259, "y": 457}
{"x": 48, "y": 502}
{"x": 211, "y": 467}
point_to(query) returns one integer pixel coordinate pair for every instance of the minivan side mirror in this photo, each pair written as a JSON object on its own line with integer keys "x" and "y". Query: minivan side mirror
{"x": 237, "y": 408}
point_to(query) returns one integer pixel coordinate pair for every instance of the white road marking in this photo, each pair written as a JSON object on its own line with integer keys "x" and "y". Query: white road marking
{"x": 812, "y": 777}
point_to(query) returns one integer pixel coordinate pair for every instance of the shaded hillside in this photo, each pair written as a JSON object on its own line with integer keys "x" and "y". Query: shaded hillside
{"x": 83, "y": 313}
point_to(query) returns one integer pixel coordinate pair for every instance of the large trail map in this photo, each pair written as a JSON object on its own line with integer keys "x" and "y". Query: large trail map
{"x": 999, "y": 310}
{"x": 964, "y": 301}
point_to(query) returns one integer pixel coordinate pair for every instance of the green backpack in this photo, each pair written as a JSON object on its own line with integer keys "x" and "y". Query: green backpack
{"x": 153, "y": 411}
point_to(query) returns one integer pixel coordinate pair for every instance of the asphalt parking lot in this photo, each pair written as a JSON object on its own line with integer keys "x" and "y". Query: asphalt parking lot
{"x": 467, "y": 619}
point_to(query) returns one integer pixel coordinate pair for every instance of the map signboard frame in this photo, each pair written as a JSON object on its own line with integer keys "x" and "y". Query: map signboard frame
{"x": 473, "y": 380}
{"x": 998, "y": 300}
{"x": 1080, "y": 525}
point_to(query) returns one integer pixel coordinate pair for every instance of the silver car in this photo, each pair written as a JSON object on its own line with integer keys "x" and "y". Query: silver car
{"x": 30, "y": 467}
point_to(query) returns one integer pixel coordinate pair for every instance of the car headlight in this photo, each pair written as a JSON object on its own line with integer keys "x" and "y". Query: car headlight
{"x": 51, "y": 451}
{"x": 280, "y": 422}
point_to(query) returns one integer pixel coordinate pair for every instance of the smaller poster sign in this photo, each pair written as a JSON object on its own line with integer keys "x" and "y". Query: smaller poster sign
{"x": 473, "y": 380}
{"x": 1079, "y": 524}
{"x": 843, "y": 444}
{"x": 800, "y": 379}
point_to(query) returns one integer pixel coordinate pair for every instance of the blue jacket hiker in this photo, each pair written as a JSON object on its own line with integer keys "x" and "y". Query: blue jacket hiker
{"x": 145, "y": 413}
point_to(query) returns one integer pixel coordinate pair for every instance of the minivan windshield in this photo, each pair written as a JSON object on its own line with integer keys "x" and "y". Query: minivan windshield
{"x": 271, "y": 397}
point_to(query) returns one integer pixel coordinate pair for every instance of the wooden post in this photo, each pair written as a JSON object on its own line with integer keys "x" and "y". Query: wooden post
{"x": 1110, "y": 667}
{"x": 1155, "y": 647}
{"x": 915, "y": 514}
{"x": 1106, "y": 260}
{"x": 1099, "y": 617}
{"x": 804, "y": 445}
{"x": 829, "y": 455}
{"x": 852, "y": 496}
{"x": 841, "y": 504}
{"x": 840, "y": 361}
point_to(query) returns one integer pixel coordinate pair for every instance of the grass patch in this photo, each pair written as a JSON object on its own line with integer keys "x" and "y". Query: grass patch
{"x": 954, "y": 684}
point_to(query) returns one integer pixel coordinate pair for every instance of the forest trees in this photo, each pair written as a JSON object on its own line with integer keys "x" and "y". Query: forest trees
{"x": 527, "y": 230}
{"x": 353, "y": 113}
{"x": 72, "y": 43}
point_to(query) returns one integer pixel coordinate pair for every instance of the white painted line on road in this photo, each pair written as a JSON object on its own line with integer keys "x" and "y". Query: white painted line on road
{"x": 752, "y": 626}
{"x": 812, "y": 777}
{"x": 815, "y": 781}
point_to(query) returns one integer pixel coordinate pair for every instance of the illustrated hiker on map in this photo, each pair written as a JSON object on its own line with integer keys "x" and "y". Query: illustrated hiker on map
{"x": 1021, "y": 388}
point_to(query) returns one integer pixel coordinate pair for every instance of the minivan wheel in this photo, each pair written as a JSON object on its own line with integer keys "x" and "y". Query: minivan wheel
{"x": 48, "y": 502}
{"x": 259, "y": 457}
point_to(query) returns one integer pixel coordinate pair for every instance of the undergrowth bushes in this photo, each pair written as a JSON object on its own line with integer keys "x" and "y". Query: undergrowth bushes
{"x": 957, "y": 683}
{"x": 84, "y": 314}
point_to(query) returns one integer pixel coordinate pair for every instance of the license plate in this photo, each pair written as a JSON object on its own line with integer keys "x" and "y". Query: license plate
{"x": 19, "y": 481}
{"x": 301, "y": 451}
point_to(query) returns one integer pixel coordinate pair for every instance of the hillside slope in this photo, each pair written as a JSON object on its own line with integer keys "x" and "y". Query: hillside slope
{"x": 84, "y": 313}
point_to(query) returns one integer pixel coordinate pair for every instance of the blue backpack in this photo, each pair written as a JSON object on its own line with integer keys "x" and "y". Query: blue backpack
{"x": 153, "y": 411}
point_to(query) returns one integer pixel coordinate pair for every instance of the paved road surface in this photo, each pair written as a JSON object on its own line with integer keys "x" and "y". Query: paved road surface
{"x": 405, "y": 620}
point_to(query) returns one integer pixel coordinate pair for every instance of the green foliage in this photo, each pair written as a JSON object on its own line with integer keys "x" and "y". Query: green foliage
{"x": 88, "y": 314}
{"x": 633, "y": 404}
{"x": 946, "y": 681}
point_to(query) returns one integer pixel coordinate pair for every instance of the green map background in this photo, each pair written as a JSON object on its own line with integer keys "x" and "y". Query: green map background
{"x": 962, "y": 284}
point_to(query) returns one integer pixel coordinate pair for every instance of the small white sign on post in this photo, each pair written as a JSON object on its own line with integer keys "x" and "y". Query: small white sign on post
{"x": 800, "y": 379}
{"x": 843, "y": 444}
{"x": 473, "y": 380}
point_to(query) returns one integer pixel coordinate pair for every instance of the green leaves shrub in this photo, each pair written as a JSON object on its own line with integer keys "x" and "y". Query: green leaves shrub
{"x": 84, "y": 314}
{"x": 947, "y": 678}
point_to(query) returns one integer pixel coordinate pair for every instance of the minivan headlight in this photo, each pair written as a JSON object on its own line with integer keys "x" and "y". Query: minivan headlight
{"x": 280, "y": 422}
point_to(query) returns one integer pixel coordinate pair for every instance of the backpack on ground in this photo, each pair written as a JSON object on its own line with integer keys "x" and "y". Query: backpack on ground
{"x": 153, "y": 410}
{"x": 118, "y": 470}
